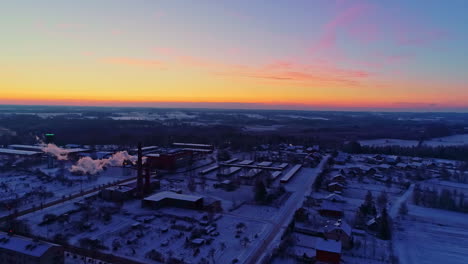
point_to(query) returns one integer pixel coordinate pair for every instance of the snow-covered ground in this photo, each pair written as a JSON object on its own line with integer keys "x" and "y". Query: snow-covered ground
{"x": 455, "y": 140}
{"x": 428, "y": 236}
{"x": 18, "y": 184}
{"x": 388, "y": 142}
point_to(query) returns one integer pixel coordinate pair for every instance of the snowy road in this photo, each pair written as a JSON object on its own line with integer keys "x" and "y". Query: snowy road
{"x": 300, "y": 189}
{"x": 396, "y": 205}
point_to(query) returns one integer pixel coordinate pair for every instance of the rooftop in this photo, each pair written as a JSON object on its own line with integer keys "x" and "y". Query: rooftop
{"x": 16, "y": 146}
{"x": 328, "y": 245}
{"x": 24, "y": 245}
{"x": 18, "y": 152}
{"x": 172, "y": 195}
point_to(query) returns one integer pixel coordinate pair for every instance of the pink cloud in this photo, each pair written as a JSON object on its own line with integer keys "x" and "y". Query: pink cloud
{"x": 345, "y": 18}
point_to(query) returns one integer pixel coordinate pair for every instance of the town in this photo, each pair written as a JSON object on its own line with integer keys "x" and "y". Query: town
{"x": 192, "y": 202}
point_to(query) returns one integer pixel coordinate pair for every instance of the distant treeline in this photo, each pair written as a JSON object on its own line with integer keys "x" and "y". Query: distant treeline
{"x": 441, "y": 152}
{"x": 441, "y": 199}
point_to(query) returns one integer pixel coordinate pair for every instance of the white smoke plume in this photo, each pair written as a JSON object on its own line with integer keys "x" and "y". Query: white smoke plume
{"x": 59, "y": 153}
{"x": 87, "y": 165}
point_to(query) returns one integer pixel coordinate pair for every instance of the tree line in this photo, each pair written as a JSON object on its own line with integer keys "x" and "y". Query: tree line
{"x": 440, "y": 199}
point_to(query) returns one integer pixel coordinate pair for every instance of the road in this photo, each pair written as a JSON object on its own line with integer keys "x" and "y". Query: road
{"x": 293, "y": 203}
{"x": 396, "y": 205}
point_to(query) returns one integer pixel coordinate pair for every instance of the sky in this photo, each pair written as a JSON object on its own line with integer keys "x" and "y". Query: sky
{"x": 295, "y": 54}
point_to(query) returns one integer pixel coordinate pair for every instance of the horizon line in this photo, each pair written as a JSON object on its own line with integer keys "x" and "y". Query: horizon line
{"x": 254, "y": 107}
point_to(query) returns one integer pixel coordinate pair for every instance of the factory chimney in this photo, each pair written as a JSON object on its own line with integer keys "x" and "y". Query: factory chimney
{"x": 140, "y": 171}
{"x": 147, "y": 179}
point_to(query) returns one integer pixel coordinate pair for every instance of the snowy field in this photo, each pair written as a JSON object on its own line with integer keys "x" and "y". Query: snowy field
{"x": 178, "y": 115}
{"x": 384, "y": 142}
{"x": 428, "y": 236}
{"x": 455, "y": 140}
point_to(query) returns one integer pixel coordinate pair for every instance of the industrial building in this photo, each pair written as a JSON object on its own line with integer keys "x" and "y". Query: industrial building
{"x": 192, "y": 145}
{"x": 18, "y": 249}
{"x": 169, "y": 160}
{"x": 172, "y": 199}
{"x": 19, "y": 153}
{"x": 117, "y": 193}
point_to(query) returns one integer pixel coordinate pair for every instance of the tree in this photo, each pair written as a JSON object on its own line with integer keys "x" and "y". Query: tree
{"x": 245, "y": 241}
{"x": 382, "y": 200}
{"x": 417, "y": 195}
{"x": 191, "y": 184}
{"x": 260, "y": 191}
{"x": 369, "y": 199}
{"x": 384, "y": 230}
{"x": 403, "y": 210}
{"x": 461, "y": 203}
{"x": 211, "y": 254}
{"x": 222, "y": 245}
{"x": 353, "y": 147}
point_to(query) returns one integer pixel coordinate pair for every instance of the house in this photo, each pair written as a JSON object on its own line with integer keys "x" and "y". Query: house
{"x": 339, "y": 230}
{"x": 331, "y": 209}
{"x": 349, "y": 172}
{"x": 335, "y": 187}
{"x": 429, "y": 164}
{"x": 373, "y": 223}
{"x": 341, "y": 160}
{"x": 18, "y": 249}
{"x": 416, "y": 165}
{"x": 384, "y": 167}
{"x": 334, "y": 197}
{"x": 402, "y": 166}
{"x": 328, "y": 251}
{"x": 392, "y": 159}
{"x": 338, "y": 178}
{"x": 366, "y": 170}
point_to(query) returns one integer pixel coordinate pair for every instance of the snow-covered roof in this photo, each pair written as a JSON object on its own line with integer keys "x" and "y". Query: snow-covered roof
{"x": 384, "y": 166}
{"x": 265, "y": 163}
{"x": 17, "y": 146}
{"x": 76, "y": 150}
{"x": 172, "y": 195}
{"x": 336, "y": 183}
{"x": 192, "y": 145}
{"x": 331, "y": 206}
{"x": 339, "y": 225}
{"x": 24, "y": 245}
{"x": 120, "y": 188}
{"x": 197, "y": 150}
{"x": 18, "y": 152}
{"x": 338, "y": 176}
{"x": 328, "y": 245}
{"x": 334, "y": 197}
{"x": 246, "y": 162}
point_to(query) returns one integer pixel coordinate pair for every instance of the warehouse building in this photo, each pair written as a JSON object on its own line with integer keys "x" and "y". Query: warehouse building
{"x": 172, "y": 199}
{"x": 18, "y": 249}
